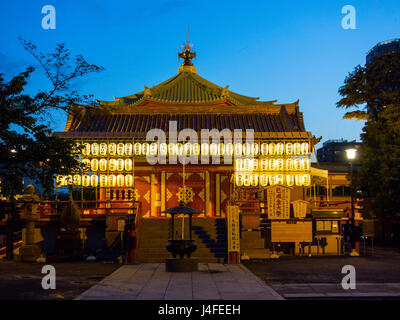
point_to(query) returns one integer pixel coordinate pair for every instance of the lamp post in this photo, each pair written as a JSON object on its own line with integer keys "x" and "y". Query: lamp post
{"x": 351, "y": 155}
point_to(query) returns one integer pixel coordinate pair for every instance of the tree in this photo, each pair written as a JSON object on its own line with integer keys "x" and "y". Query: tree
{"x": 28, "y": 149}
{"x": 374, "y": 91}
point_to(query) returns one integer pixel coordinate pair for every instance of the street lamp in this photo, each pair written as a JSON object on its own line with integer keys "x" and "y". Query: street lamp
{"x": 351, "y": 155}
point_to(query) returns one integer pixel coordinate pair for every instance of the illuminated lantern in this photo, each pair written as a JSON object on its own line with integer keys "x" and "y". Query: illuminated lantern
{"x": 204, "y": 149}
{"x": 137, "y": 149}
{"x": 297, "y": 179}
{"x": 172, "y": 149}
{"x": 238, "y": 149}
{"x": 153, "y": 149}
{"x": 163, "y": 149}
{"x": 297, "y": 164}
{"x": 221, "y": 149}
{"x": 120, "y": 164}
{"x": 112, "y": 165}
{"x": 280, "y": 179}
{"x": 128, "y": 149}
{"x": 247, "y": 149}
{"x": 76, "y": 179}
{"x": 145, "y": 149}
{"x": 289, "y": 164}
{"x": 60, "y": 181}
{"x": 279, "y": 164}
{"x": 86, "y": 180}
{"x": 94, "y": 180}
{"x": 272, "y": 164}
{"x": 195, "y": 149}
{"x": 239, "y": 164}
{"x": 112, "y": 149}
{"x": 112, "y": 180}
{"x": 86, "y": 164}
{"x": 246, "y": 180}
{"x": 68, "y": 180}
{"x": 306, "y": 180}
{"x": 239, "y": 180}
{"x": 128, "y": 164}
{"x": 279, "y": 148}
{"x": 254, "y": 149}
{"x": 103, "y": 180}
{"x": 120, "y": 180}
{"x": 290, "y": 180}
{"x": 264, "y": 180}
{"x": 247, "y": 164}
{"x": 304, "y": 148}
{"x": 305, "y": 164}
{"x": 213, "y": 149}
{"x": 254, "y": 164}
{"x": 229, "y": 149}
{"x": 86, "y": 149}
{"x": 103, "y": 149}
{"x": 272, "y": 149}
{"x": 94, "y": 165}
{"x": 103, "y": 164}
{"x": 289, "y": 148}
{"x": 187, "y": 149}
{"x": 254, "y": 180}
{"x": 129, "y": 180}
{"x": 95, "y": 149}
{"x": 264, "y": 149}
{"x": 120, "y": 149}
{"x": 179, "y": 149}
{"x": 297, "y": 148}
{"x": 264, "y": 165}
{"x": 272, "y": 179}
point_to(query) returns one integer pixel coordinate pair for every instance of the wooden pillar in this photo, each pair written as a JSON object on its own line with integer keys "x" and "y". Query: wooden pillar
{"x": 163, "y": 200}
{"x": 217, "y": 194}
{"x": 207, "y": 204}
{"x": 152, "y": 195}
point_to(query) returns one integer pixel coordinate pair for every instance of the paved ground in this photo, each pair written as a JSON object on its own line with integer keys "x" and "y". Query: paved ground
{"x": 150, "y": 282}
{"x": 22, "y": 281}
{"x": 320, "y": 277}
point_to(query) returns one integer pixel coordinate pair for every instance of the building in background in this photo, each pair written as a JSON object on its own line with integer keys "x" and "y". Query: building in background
{"x": 382, "y": 47}
{"x": 334, "y": 151}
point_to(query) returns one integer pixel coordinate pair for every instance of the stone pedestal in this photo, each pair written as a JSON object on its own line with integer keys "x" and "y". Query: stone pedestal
{"x": 181, "y": 265}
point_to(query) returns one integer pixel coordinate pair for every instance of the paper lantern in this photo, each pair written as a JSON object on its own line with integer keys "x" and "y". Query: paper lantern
{"x": 289, "y": 164}
{"x": 297, "y": 164}
{"x": 272, "y": 149}
{"x": 68, "y": 180}
{"x": 112, "y": 165}
{"x": 239, "y": 164}
{"x": 187, "y": 149}
{"x": 280, "y": 179}
{"x": 247, "y": 149}
{"x": 103, "y": 149}
{"x": 298, "y": 180}
{"x": 264, "y": 149}
{"x": 163, "y": 149}
{"x": 272, "y": 164}
{"x": 305, "y": 164}
{"x": 272, "y": 179}
{"x": 254, "y": 149}
{"x": 153, "y": 149}
{"x": 94, "y": 180}
{"x": 60, "y": 181}
{"x": 305, "y": 148}
{"x": 128, "y": 164}
{"x": 120, "y": 164}
{"x": 120, "y": 149}
{"x": 289, "y": 148}
{"x": 246, "y": 180}
{"x": 128, "y": 149}
{"x": 290, "y": 180}
{"x": 94, "y": 165}
{"x": 137, "y": 148}
{"x": 86, "y": 164}
{"x": 120, "y": 180}
{"x": 86, "y": 180}
{"x": 103, "y": 164}
{"x": 195, "y": 149}
{"x": 238, "y": 149}
{"x": 264, "y": 180}
{"x": 95, "y": 149}
{"x": 254, "y": 179}
{"x": 145, "y": 149}
{"x": 239, "y": 180}
{"x": 279, "y": 164}
{"x": 254, "y": 164}
{"x": 205, "y": 149}
{"x": 112, "y": 180}
{"x": 306, "y": 180}
{"x": 279, "y": 148}
{"x": 264, "y": 165}
{"x": 297, "y": 148}
{"x": 112, "y": 149}
{"x": 179, "y": 149}
{"x": 172, "y": 149}
{"x": 76, "y": 179}
{"x": 229, "y": 149}
{"x": 247, "y": 163}
{"x": 213, "y": 149}
{"x": 86, "y": 149}
{"x": 103, "y": 180}
{"x": 128, "y": 180}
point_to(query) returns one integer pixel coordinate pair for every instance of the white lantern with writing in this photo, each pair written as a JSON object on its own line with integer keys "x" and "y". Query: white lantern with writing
{"x": 272, "y": 149}
{"x": 120, "y": 149}
{"x": 94, "y": 180}
{"x": 120, "y": 180}
{"x": 94, "y": 165}
{"x": 163, "y": 149}
{"x": 264, "y": 180}
{"x": 264, "y": 149}
{"x": 103, "y": 164}
{"x": 239, "y": 180}
{"x": 86, "y": 180}
{"x": 112, "y": 165}
{"x": 137, "y": 149}
{"x": 289, "y": 148}
{"x": 305, "y": 148}
{"x": 128, "y": 149}
{"x": 297, "y": 148}
{"x": 86, "y": 149}
{"x": 238, "y": 149}
{"x": 112, "y": 180}
{"x": 120, "y": 164}
{"x": 103, "y": 149}
{"x": 264, "y": 165}
{"x": 205, "y": 149}
{"x": 76, "y": 179}
{"x": 279, "y": 148}
{"x": 290, "y": 180}
{"x": 95, "y": 149}
{"x": 254, "y": 180}
{"x": 129, "y": 180}
{"x": 112, "y": 149}
{"x": 128, "y": 164}
{"x": 103, "y": 180}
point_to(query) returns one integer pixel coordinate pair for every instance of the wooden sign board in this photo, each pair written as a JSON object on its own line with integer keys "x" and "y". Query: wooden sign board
{"x": 278, "y": 202}
{"x": 295, "y": 231}
{"x": 233, "y": 229}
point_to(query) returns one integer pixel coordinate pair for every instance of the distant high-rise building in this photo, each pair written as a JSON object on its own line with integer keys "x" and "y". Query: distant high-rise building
{"x": 335, "y": 150}
{"x": 382, "y": 47}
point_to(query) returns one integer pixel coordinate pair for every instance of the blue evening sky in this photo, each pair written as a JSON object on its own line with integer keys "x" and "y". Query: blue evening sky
{"x": 285, "y": 50}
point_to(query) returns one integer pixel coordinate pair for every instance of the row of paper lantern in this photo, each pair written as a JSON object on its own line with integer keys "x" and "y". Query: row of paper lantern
{"x": 94, "y": 180}
{"x": 206, "y": 149}
{"x": 279, "y": 164}
{"x": 254, "y": 180}
{"x": 111, "y": 165}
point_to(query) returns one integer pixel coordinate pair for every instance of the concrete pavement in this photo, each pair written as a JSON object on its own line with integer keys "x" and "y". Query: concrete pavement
{"x": 150, "y": 282}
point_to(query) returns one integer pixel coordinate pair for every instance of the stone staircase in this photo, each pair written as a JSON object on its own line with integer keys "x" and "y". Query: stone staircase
{"x": 253, "y": 245}
{"x": 208, "y": 234}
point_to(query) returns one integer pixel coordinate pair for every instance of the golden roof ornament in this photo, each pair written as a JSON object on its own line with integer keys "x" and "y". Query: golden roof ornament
{"x": 187, "y": 55}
